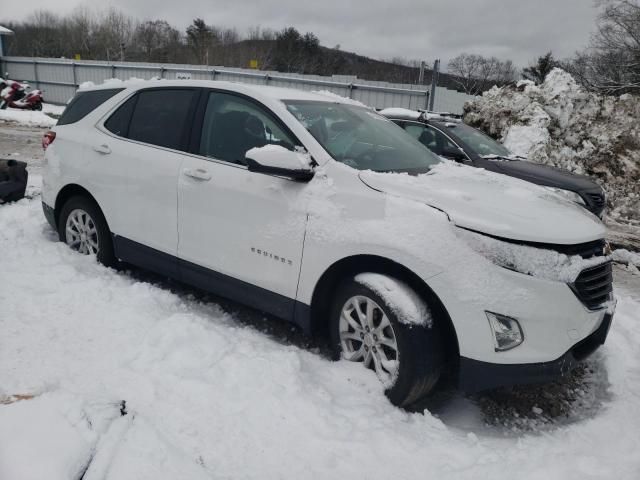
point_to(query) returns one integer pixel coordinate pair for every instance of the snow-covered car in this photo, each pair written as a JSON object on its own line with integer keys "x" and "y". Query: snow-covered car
{"x": 323, "y": 212}
{"x": 447, "y": 136}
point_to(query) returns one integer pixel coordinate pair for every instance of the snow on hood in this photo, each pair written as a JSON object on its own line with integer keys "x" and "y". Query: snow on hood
{"x": 493, "y": 204}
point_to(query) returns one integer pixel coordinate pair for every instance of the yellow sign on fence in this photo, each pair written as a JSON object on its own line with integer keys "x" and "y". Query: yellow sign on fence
{"x": 253, "y": 64}
{"x": 76, "y": 56}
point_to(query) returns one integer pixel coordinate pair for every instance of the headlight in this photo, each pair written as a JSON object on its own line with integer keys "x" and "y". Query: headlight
{"x": 568, "y": 195}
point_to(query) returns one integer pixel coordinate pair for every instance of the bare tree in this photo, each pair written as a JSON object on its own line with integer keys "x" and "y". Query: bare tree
{"x": 475, "y": 73}
{"x": 612, "y": 62}
{"x": 114, "y": 32}
{"x": 157, "y": 40}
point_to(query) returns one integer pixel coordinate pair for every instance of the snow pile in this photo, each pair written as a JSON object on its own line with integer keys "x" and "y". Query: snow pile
{"x": 27, "y": 117}
{"x": 52, "y": 109}
{"x": 630, "y": 259}
{"x": 210, "y": 397}
{"x": 50, "y": 436}
{"x": 404, "y": 302}
{"x": 560, "y": 124}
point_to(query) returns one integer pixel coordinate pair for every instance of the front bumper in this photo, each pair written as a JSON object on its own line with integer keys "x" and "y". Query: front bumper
{"x": 475, "y": 376}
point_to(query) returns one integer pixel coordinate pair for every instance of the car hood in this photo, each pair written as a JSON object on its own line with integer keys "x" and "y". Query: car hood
{"x": 494, "y": 204}
{"x": 541, "y": 174}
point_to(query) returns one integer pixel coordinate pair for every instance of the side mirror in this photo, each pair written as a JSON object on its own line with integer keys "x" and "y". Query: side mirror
{"x": 277, "y": 160}
{"x": 453, "y": 153}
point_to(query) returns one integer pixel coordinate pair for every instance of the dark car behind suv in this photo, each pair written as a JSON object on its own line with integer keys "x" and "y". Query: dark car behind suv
{"x": 448, "y": 137}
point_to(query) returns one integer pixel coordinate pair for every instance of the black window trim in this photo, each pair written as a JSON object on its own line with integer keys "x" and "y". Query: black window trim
{"x": 433, "y": 127}
{"x": 198, "y": 121}
{"x": 187, "y": 127}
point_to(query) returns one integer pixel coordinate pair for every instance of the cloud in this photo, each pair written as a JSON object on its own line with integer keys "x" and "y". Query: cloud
{"x": 413, "y": 29}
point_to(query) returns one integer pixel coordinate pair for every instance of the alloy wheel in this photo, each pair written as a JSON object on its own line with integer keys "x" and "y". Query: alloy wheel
{"x": 367, "y": 336}
{"x": 81, "y": 233}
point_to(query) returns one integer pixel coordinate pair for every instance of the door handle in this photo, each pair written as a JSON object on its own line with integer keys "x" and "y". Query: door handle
{"x": 103, "y": 149}
{"x": 197, "y": 173}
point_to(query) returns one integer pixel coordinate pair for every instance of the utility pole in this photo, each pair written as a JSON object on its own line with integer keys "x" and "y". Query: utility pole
{"x": 434, "y": 83}
{"x": 421, "y": 76}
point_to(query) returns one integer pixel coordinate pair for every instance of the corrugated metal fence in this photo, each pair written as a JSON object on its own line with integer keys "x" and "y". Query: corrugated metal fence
{"x": 59, "y": 79}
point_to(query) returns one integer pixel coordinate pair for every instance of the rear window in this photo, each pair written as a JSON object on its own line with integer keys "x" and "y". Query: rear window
{"x": 84, "y": 103}
{"x": 158, "y": 117}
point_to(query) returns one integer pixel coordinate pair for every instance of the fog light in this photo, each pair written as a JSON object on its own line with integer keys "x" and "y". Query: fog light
{"x": 507, "y": 333}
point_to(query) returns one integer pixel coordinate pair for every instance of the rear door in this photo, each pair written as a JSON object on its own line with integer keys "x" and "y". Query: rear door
{"x": 241, "y": 233}
{"x": 138, "y": 154}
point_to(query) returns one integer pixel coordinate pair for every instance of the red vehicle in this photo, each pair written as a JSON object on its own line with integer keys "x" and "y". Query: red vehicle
{"x": 14, "y": 94}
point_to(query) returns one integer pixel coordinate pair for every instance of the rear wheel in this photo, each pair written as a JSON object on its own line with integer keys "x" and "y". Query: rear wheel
{"x": 83, "y": 228}
{"x": 407, "y": 358}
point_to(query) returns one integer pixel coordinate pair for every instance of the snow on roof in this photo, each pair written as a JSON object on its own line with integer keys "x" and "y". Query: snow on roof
{"x": 275, "y": 93}
{"x": 402, "y": 113}
{"x": 5, "y": 31}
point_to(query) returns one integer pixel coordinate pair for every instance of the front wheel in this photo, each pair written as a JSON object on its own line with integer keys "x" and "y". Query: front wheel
{"x": 365, "y": 328}
{"x": 83, "y": 228}
{"x": 37, "y": 107}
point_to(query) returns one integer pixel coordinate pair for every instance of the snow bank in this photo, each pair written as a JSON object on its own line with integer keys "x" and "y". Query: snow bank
{"x": 560, "y": 124}
{"x": 51, "y": 436}
{"x": 27, "y": 117}
{"x": 211, "y": 397}
{"x": 51, "y": 109}
{"x": 404, "y": 302}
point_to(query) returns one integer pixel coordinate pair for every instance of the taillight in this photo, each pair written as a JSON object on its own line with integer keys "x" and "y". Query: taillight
{"x": 48, "y": 139}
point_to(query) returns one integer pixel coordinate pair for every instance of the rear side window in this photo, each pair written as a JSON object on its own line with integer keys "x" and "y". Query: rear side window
{"x": 84, "y": 103}
{"x": 118, "y": 123}
{"x": 158, "y": 117}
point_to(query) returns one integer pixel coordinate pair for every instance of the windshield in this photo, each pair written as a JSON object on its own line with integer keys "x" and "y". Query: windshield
{"x": 362, "y": 139}
{"x": 480, "y": 143}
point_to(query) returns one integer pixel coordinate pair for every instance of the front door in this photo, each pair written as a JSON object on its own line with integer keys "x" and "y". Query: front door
{"x": 241, "y": 233}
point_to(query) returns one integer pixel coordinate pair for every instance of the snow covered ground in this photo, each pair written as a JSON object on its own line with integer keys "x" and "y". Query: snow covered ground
{"x": 212, "y": 390}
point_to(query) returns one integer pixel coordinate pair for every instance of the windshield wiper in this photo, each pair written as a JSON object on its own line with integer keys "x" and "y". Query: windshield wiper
{"x": 502, "y": 157}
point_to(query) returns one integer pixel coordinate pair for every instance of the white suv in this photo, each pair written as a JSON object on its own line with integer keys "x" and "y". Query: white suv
{"x": 322, "y": 212}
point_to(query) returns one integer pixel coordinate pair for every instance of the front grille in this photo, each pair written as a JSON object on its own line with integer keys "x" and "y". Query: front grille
{"x": 585, "y": 250}
{"x": 594, "y": 285}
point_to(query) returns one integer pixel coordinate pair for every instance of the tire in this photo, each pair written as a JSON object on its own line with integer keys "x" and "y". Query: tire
{"x": 88, "y": 220}
{"x": 419, "y": 354}
{"x": 37, "y": 107}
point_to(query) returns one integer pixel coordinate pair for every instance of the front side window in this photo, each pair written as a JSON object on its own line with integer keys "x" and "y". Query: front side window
{"x": 480, "y": 143}
{"x": 84, "y": 103}
{"x": 362, "y": 139}
{"x": 233, "y": 125}
{"x": 430, "y": 138}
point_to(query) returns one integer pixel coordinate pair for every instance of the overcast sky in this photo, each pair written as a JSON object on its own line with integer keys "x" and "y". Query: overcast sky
{"x": 414, "y": 29}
